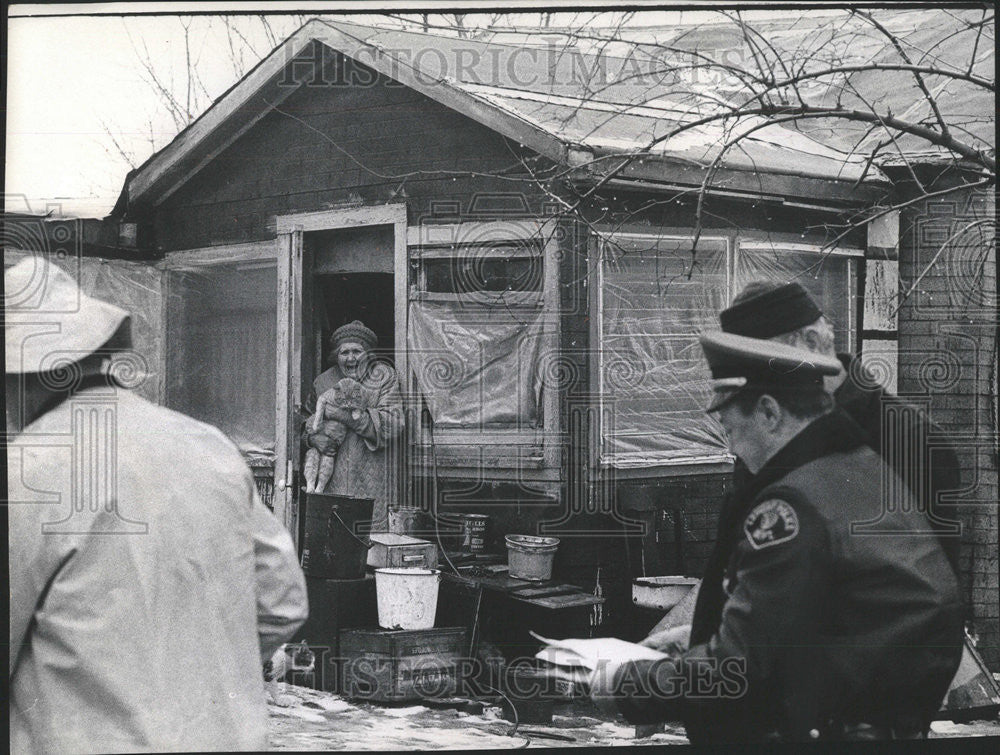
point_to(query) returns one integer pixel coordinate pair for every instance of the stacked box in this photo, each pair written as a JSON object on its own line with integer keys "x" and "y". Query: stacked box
{"x": 386, "y": 665}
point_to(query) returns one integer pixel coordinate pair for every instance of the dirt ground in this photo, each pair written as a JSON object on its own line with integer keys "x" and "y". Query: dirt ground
{"x": 323, "y": 721}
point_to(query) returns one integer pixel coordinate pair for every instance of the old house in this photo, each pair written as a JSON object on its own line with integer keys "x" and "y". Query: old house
{"x": 536, "y": 259}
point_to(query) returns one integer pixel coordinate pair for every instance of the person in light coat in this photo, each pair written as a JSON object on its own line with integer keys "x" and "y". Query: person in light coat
{"x": 148, "y": 582}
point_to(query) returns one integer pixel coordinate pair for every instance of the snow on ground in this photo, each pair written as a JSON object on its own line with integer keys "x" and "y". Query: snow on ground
{"x": 323, "y": 721}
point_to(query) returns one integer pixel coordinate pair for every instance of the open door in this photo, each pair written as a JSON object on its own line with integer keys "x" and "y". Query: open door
{"x": 288, "y": 384}
{"x": 314, "y": 251}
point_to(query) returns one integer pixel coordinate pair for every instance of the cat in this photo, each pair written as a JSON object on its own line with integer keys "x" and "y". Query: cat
{"x": 348, "y": 393}
{"x": 287, "y": 659}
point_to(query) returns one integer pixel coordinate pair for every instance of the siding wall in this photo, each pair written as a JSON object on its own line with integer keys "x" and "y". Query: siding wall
{"x": 330, "y": 146}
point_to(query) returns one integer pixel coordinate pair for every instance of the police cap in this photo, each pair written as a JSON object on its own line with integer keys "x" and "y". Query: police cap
{"x": 739, "y": 362}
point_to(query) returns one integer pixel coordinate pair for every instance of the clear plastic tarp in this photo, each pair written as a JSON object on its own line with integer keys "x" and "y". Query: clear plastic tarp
{"x": 656, "y": 298}
{"x": 221, "y": 331}
{"x": 136, "y": 288}
{"x": 477, "y": 366}
{"x": 830, "y": 278}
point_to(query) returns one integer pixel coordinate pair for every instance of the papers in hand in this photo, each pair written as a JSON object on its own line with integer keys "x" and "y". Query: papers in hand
{"x": 589, "y": 654}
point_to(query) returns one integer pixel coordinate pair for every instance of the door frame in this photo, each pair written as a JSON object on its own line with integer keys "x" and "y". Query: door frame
{"x": 290, "y": 230}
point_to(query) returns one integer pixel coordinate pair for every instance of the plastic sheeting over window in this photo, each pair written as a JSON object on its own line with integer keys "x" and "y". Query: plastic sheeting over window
{"x": 136, "y": 288}
{"x": 830, "y": 278}
{"x": 654, "y": 380}
{"x": 477, "y": 366}
{"x": 221, "y": 331}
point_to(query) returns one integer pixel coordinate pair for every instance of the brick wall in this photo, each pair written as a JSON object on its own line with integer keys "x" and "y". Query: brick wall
{"x": 948, "y": 357}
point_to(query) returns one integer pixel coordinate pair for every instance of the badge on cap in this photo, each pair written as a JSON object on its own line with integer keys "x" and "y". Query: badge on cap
{"x": 771, "y": 523}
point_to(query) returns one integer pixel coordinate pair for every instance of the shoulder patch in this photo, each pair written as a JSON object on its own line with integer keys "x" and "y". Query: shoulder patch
{"x": 770, "y": 523}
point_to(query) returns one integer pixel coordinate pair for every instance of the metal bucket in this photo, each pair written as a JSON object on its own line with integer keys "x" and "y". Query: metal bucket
{"x": 407, "y": 597}
{"x": 530, "y": 558}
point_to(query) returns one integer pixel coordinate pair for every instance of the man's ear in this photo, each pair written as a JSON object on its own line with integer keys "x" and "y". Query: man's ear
{"x": 812, "y": 340}
{"x": 770, "y": 411}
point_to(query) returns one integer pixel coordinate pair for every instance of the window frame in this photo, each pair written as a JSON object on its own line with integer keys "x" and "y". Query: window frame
{"x": 509, "y": 452}
{"x": 637, "y": 460}
{"x": 255, "y": 253}
{"x": 756, "y": 244}
{"x": 638, "y": 464}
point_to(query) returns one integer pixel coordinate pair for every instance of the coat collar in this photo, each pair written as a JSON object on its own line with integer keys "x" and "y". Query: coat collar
{"x": 832, "y": 433}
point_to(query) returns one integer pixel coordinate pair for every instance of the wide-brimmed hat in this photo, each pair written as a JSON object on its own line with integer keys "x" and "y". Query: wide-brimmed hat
{"x": 49, "y": 321}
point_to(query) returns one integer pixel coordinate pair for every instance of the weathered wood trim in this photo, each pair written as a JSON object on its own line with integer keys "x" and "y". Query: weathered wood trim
{"x": 754, "y": 245}
{"x": 161, "y": 378}
{"x": 242, "y": 92}
{"x": 400, "y": 311}
{"x": 441, "y": 91}
{"x": 325, "y": 220}
{"x": 214, "y": 255}
{"x": 660, "y": 471}
{"x": 437, "y": 235}
{"x": 552, "y": 477}
{"x": 278, "y": 95}
{"x": 158, "y": 167}
{"x": 672, "y": 175}
{"x": 282, "y": 471}
{"x": 552, "y": 328}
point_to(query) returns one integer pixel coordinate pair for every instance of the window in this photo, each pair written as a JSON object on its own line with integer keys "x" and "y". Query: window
{"x": 221, "y": 322}
{"x": 655, "y": 298}
{"x": 475, "y": 325}
{"x": 831, "y": 277}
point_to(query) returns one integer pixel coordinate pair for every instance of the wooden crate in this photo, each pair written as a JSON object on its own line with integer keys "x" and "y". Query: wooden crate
{"x": 385, "y": 665}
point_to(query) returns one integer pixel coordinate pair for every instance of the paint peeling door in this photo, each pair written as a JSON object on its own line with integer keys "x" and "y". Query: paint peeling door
{"x": 289, "y": 396}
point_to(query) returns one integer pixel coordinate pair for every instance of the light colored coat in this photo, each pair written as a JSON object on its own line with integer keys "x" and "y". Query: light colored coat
{"x": 148, "y": 582}
{"x": 368, "y": 460}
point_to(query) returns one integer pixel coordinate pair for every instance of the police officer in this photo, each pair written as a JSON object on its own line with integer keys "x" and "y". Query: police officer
{"x": 826, "y": 631}
{"x": 786, "y": 313}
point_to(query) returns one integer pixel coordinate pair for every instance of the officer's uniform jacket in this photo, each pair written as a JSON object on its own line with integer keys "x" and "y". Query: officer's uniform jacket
{"x": 864, "y": 406}
{"x": 824, "y": 623}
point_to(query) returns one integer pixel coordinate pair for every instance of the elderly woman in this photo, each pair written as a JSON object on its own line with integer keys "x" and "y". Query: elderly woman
{"x": 368, "y": 458}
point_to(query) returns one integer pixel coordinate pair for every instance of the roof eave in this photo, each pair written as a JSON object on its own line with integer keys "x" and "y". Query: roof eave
{"x": 760, "y": 183}
{"x": 165, "y": 171}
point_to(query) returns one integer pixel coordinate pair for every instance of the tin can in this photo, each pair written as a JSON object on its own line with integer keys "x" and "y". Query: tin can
{"x": 406, "y": 520}
{"x": 473, "y": 531}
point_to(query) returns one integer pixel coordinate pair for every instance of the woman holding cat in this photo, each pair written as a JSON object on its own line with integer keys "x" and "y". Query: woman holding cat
{"x": 367, "y": 459}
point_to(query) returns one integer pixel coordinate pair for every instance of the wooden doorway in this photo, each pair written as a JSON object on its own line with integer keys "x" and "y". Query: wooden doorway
{"x": 324, "y": 258}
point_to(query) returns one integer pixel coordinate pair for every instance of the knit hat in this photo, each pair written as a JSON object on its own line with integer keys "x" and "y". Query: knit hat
{"x": 49, "y": 321}
{"x": 772, "y": 312}
{"x": 354, "y": 331}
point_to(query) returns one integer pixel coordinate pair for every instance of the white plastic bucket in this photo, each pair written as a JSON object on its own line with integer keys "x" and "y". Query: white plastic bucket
{"x": 407, "y": 597}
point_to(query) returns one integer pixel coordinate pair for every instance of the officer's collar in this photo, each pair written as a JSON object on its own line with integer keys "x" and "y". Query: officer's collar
{"x": 832, "y": 433}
